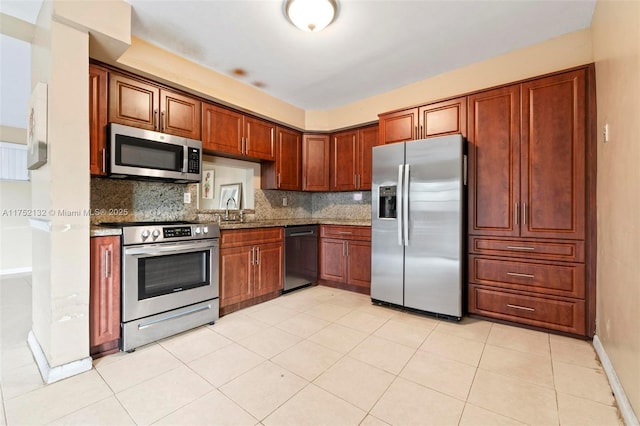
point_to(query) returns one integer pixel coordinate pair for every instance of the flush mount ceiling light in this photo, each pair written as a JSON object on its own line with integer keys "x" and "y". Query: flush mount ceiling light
{"x": 310, "y": 15}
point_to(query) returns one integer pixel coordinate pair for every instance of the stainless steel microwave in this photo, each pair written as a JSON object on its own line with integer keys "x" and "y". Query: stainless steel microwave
{"x": 145, "y": 154}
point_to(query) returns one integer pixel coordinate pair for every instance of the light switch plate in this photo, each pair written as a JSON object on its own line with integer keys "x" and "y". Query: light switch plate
{"x": 187, "y": 197}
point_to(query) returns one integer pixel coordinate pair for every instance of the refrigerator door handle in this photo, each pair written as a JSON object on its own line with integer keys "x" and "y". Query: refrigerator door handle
{"x": 405, "y": 207}
{"x": 399, "y": 203}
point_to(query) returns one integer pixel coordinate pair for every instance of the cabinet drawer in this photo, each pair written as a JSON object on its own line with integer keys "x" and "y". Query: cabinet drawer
{"x": 555, "y": 279}
{"x": 566, "y": 251}
{"x": 557, "y": 314}
{"x": 362, "y": 233}
{"x": 241, "y": 237}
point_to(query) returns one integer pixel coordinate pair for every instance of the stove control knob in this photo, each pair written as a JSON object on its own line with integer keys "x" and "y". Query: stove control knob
{"x": 197, "y": 230}
{"x": 205, "y": 229}
{"x": 145, "y": 234}
{"x": 155, "y": 234}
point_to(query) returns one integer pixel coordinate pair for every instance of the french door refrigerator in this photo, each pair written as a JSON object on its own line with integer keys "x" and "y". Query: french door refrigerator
{"x": 417, "y": 225}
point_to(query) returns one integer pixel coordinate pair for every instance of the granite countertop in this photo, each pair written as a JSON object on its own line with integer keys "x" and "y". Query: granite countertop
{"x": 293, "y": 222}
{"x": 103, "y": 231}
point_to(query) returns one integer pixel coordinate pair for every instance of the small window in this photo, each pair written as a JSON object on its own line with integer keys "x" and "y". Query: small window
{"x": 13, "y": 161}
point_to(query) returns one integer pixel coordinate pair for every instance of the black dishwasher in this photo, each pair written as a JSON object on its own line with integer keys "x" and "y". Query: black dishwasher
{"x": 300, "y": 256}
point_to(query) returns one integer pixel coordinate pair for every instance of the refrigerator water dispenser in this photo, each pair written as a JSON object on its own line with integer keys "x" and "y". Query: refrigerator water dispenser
{"x": 387, "y": 202}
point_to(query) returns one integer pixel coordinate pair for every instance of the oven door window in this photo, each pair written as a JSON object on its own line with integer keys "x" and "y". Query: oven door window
{"x": 172, "y": 273}
{"x": 135, "y": 152}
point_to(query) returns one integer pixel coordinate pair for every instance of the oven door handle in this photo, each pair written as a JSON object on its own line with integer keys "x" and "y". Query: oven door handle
{"x": 172, "y": 249}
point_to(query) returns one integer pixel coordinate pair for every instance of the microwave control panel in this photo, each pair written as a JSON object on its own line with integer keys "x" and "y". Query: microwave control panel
{"x": 194, "y": 161}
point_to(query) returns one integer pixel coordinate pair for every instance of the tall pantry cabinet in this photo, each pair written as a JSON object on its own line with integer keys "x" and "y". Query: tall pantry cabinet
{"x": 532, "y": 202}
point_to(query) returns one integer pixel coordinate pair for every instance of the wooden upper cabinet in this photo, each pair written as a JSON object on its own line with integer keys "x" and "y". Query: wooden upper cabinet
{"x": 260, "y": 138}
{"x": 435, "y": 119}
{"x": 315, "y": 162}
{"x": 180, "y": 115}
{"x": 98, "y": 104}
{"x": 553, "y": 156}
{"x": 351, "y": 158}
{"x": 494, "y": 162}
{"x": 286, "y": 171}
{"x": 227, "y": 131}
{"x": 222, "y": 129}
{"x": 344, "y": 147}
{"x": 367, "y": 139}
{"x": 137, "y": 103}
{"x": 527, "y": 179}
{"x": 400, "y": 126}
{"x": 443, "y": 118}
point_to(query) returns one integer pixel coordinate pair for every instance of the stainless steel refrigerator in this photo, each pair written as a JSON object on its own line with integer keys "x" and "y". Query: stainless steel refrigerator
{"x": 417, "y": 224}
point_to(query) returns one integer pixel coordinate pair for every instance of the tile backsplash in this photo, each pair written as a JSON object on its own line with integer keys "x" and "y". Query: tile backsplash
{"x": 128, "y": 200}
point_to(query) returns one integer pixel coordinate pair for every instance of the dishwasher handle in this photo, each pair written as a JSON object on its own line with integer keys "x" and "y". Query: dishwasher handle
{"x": 301, "y": 234}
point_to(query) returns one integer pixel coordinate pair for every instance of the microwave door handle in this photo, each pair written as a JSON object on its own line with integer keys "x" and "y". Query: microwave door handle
{"x": 185, "y": 158}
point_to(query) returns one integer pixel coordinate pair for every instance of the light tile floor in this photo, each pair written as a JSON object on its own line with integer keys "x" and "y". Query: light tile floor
{"x": 318, "y": 356}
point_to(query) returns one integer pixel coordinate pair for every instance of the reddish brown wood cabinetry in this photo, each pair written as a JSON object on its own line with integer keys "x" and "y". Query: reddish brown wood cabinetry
{"x": 286, "y": 172}
{"x": 104, "y": 295}
{"x": 529, "y": 257}
{"x": 138, "y": 103}
{"x": 98, "y": 104}
{"x": 351, "y": 156}
{"x": 251, "y": 266}
{"x": 435, "y": 119}
{"x": 230, "y": 132}
{"x": 345, "y": 256}
{"x": 315, "y": 162}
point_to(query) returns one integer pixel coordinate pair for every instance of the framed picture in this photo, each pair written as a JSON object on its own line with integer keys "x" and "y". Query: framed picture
{"x": 231, "y": 196}
{"x": 37, "y": 127}
{"x": 208, "y": 188}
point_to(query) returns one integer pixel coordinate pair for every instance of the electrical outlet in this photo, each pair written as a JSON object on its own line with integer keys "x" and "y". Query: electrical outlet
{"x": 605, "y": 133}
{"x": 187, "y": 197}
{"x": 285, "y": 202}
{"x": 357, "y": 196}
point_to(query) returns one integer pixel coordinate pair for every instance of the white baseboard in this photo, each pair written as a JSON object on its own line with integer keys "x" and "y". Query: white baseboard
{"x": 628, "y": 415}
{"x": 53, "y": 374}
{"x": 15, "y": 271}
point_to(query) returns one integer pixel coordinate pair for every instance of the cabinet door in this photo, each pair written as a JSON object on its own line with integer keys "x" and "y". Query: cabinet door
{"x": 222, "y": 129}
{"x": 444, "y": 118}
{"x": 343, "y": 161}
{"x": 289, "y": 160}
{"x": 553, "y": 156}
{"x": 104, "y": 306}
{"x": 259, "y": 139}
{"x": 133, "y": 102}
{"x": 180, "y": 115}
{"x": 359, "y": 263}
{"x": 494, "y": 162}
{"x": 98, "y": 83}
{"x": 333, "y": 266}
{"x": 399, "y": 126}
{"x": 269, "y": 260}
{"x": 315, "y": 162}
{"x": 236, "y": 278}
{"x": 367, "y": 139}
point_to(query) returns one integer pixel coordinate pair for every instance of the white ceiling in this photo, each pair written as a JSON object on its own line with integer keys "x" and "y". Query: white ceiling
{"x": 373, "y": 46}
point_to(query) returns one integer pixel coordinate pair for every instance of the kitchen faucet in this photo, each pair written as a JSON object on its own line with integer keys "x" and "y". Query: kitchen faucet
{"x": 226, "y": 212}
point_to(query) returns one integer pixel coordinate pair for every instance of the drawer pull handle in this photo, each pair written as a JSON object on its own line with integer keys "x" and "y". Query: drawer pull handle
{"x": 344, "y": 232}
{"x": 515, "y": 274}
{"x": 520, "y": 248}
{"x": 523, "y": 308}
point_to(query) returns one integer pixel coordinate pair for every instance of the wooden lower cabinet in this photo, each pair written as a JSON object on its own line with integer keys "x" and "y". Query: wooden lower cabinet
{"x": 251, "y": 267}
{"x": 345, "y": 257}
{"x": 562, "y": 314}
{"x": 104, "y": 295}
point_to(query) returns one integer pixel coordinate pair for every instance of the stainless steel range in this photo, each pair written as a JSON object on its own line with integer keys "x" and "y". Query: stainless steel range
{"x": 169, "y": 279}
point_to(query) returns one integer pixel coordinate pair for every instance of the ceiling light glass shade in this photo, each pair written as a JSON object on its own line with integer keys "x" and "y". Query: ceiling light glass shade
{"x": 310, "y": 15}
